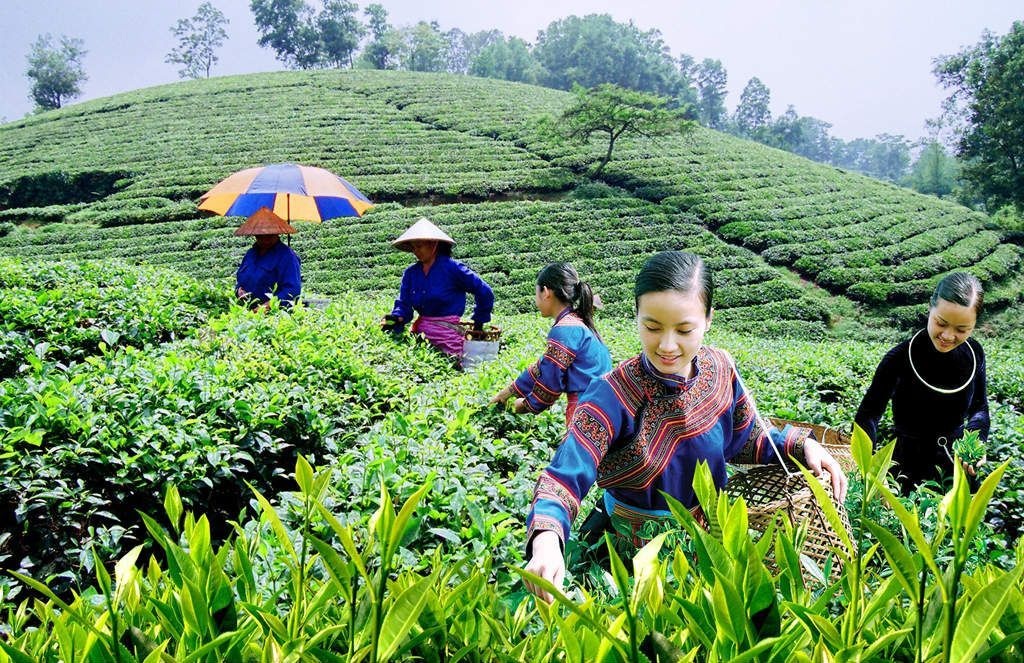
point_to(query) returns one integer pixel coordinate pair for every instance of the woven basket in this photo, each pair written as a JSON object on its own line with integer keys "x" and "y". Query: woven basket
{"x": 488, "y": 333}
{"x": 768, "y": 490}
{"x": 835, "y": 441}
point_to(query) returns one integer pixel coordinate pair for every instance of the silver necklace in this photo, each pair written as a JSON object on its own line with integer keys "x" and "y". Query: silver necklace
{"x": 970, "y": 379}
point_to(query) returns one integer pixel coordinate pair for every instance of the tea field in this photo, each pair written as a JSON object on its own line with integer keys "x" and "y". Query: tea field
{"x": 186, "y": 480}
{"x": 106, "y": 447}
{"x": 812, "y": 246}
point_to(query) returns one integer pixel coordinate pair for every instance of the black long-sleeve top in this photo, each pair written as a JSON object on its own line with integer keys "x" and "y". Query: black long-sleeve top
{"x": 917, "y": 410}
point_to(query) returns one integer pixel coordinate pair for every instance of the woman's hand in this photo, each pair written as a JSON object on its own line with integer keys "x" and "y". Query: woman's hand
{"x": 502, "y": 396}
{"x": 547, "y": 562}
{"x": 520, "y": 406}
{"x": 817, "y": 459}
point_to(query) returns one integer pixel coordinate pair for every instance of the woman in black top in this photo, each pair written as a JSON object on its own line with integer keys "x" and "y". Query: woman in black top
{"x": 936, "y": 381}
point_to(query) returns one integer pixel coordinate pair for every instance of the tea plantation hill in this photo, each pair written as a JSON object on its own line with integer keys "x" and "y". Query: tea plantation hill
{"x": 796, "y": 245}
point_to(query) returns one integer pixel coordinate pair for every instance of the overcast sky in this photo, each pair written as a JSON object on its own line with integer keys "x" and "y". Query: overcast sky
{"x": 864, "y": 66}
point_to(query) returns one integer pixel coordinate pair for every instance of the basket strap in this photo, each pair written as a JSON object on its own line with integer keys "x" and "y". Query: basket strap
{"x": 761, "y": 420}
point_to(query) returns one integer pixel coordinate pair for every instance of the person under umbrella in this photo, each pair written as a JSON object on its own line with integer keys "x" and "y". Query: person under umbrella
{"x": 435, "y": 287}
{"x": 270, "y": 268}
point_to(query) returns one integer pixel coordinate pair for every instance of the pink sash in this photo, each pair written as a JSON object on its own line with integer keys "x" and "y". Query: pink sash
{"x": 443, "y": 332}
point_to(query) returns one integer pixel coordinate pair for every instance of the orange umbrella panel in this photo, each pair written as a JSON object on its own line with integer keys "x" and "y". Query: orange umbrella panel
{"x": 292, "y": 191}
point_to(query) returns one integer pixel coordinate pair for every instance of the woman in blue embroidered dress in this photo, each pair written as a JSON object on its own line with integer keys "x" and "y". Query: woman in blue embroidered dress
{"x": 435, "y": 287}
{"x": 575, "y": 354}
{"x": 643, "y": 428}
{"x": 936, "y": 382}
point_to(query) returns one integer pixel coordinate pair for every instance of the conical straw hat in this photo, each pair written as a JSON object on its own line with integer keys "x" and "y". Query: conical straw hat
{"x": 422, "y": 229}
{"x": 264, "y": 222}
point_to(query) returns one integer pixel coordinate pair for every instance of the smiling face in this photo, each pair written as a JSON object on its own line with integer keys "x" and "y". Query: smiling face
{"x": 950, "y": 324}
{"x": 672, "y": 325}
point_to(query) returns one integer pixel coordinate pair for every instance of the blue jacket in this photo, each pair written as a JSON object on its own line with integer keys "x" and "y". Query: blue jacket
{"x": 443, "y": 291}
{"x": 275, "y": 272}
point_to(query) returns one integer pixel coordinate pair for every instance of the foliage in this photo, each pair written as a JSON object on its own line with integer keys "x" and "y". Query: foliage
{"x": 198, "y": 37}
{"x": 304, "y": 39}
{"x": 934, "y": 172}
{"x": 753, "y": 112}
{"x": 56, "y": 71}
{"x": 615, "y": 112}
{"x": 595, "y": 50}
{"x": 508, "y": 59}
{"x": 434, "y": 143}
{"x": 985, "y": 104}
{"x": 711, "y": 80}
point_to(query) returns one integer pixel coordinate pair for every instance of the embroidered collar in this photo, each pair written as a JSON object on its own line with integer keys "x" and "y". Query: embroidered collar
{"x": 671, "y": 381}
{"x": 564, "y": 312}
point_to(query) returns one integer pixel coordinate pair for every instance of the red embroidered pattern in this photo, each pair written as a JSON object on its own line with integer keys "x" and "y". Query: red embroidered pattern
{"x": 541, "y": 391}
{"x": 560, "y": 355}
{"x": 592, "y": 429}
{"x": 666, "y": 420}
{"x": 550, "y": 488}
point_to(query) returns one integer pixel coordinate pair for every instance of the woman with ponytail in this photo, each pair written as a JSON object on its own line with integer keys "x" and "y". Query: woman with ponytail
{"x": 575, "y": 354}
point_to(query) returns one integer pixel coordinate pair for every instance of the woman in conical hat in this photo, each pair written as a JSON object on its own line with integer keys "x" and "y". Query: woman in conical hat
{"x": 270, "y": 268}
{"x": 435, "y": 288}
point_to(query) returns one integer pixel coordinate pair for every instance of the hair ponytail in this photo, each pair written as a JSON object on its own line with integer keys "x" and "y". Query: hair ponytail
{"x": 562, "y": 280}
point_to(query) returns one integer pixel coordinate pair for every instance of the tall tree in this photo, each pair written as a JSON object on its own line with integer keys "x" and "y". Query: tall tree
{"x": 987, "y": 102}
{"x": 614, "y": 111}
{"x": 385, "y": 42}
{"x": 686, "y": 96}
{"x": 426, "y": 48}
{"x": 198, "y": 37}
{"x": 595, "y": 49}
{"x": 753, "y": 114}
{"x": 934, "y": 172}
{"x": 711, "y": 81}
{"x": 286, "y": 26}
{"x": 56, "y": 72}
{"x": 340, "y": 32}
{"x": 509, "y": 60}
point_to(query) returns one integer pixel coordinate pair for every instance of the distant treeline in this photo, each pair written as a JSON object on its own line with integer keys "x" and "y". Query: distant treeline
{"x": 586, "y": 50}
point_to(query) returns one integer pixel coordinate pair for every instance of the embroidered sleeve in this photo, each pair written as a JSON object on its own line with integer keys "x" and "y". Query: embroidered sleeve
{"x": 573, "y": 470}
{"x": 541, "y": 384}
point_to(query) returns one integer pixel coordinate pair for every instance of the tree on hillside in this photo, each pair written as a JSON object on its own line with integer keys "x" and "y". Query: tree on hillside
{"x": 426, "y": 48}
{"x": 686, "y": 95}
{"x": 935, "y": 172}
{"x": 56, "y": 72}
{"x": 753, "y": 114}
{"x": 509, "y": 60}
{"x": 340, "y": 32}
{"x": 595, "y": 49}
{"x": 614, "y": 111}
{"x": 385, "y": 42}
{"x": 987, "y": 102}
{"x": 198, "y": 38}
{"x": 711, "y": 80}
{"x": 305, "y": 39}
{"x": 286, "y": 26}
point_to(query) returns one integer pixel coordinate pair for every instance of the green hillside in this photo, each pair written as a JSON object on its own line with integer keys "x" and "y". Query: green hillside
{"x": 797, "y": 245}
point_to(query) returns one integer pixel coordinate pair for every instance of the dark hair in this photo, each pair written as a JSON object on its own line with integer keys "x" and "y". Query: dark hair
{"x": 561, "y": 279}
{"x": 444, "y": 248}
{"x": 960, "y": 288}
{"x": 675, "y": 270}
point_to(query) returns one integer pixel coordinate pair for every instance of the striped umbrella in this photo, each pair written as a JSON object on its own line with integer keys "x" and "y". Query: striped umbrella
{"x": 292, "y": 191}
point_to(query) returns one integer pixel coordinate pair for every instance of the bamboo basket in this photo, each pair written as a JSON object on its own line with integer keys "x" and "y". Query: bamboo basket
{"x": 489, "y": 333}
{"x": 768, "y": 490}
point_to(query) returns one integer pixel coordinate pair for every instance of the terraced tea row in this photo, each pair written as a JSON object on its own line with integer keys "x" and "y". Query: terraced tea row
{"x": 506, "y": 243}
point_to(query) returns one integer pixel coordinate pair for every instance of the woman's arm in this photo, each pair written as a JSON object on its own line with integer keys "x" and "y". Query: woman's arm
{"x": 878, "y": 395}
